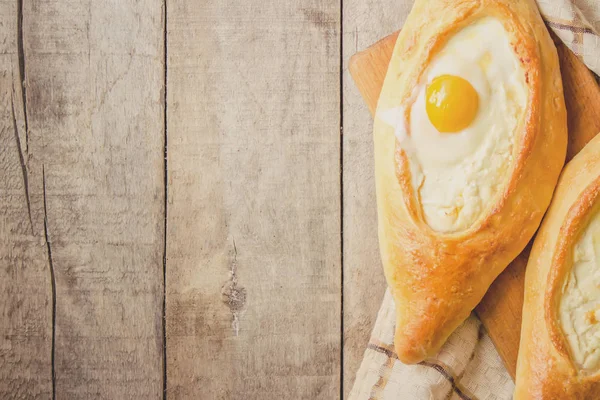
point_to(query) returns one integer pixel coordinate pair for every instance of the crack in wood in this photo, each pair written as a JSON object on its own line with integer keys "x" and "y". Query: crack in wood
{"x": 22, "y": 162}
{"x": 165, "y": 205}
{"x": 21, "y": 51}
{"x": 234, "y": 295}
{"x": 52, "y": 282}
{"x": 119, "y": 77}
{"x": 341, "y": 161}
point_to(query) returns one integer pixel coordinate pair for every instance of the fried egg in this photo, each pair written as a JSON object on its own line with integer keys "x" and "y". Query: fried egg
{"x": 463, "y": 124}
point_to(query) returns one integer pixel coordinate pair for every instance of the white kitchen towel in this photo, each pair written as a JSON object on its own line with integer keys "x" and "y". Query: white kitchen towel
{"x": 577, "y": 23}
{"x": 468, "y": 366}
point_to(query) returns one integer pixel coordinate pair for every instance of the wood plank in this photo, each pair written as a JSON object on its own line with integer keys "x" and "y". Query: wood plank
{"x": 500, "y": 310}
{"x": 364, "y": 284}
{"x": 94, "y": 73}
{"x": 253, "y": 249}
{"x": 25, "y": 284}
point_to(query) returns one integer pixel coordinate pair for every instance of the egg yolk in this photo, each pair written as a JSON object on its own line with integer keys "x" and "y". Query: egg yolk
{"x": 451, "y": 103}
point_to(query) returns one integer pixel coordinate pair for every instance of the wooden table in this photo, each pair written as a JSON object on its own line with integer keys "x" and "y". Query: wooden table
{"x": 180, "y": 214}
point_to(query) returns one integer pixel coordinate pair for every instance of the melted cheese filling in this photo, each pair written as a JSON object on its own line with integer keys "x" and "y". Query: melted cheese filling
{"x": 579, "y": 307}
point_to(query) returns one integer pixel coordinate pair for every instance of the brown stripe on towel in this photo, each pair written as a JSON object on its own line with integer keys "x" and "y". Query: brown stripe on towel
{"x": 377, "y": 389}
{"x": 448, "y": 376}
{"x": 577, "y": 36}
{"x": 572, "y": 28}
{"x": 392, "y": 356}
{"x": 383, "y": 348}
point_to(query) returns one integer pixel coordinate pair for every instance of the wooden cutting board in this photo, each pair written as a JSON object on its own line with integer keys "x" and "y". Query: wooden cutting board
{"x": 500, "y": 309}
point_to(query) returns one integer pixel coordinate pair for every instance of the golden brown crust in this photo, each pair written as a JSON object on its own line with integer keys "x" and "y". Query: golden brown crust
{"x": 437, "y": 279}
{"x": 545, "y": 369}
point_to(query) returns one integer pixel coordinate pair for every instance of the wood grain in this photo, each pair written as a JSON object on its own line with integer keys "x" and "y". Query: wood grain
{"x": 94, "y": 78}
{"x": 253, "y": 249}
{"x": 364, "y": 284}
{"x": 25, "y": 284}
{"x": 500, "y": 310}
